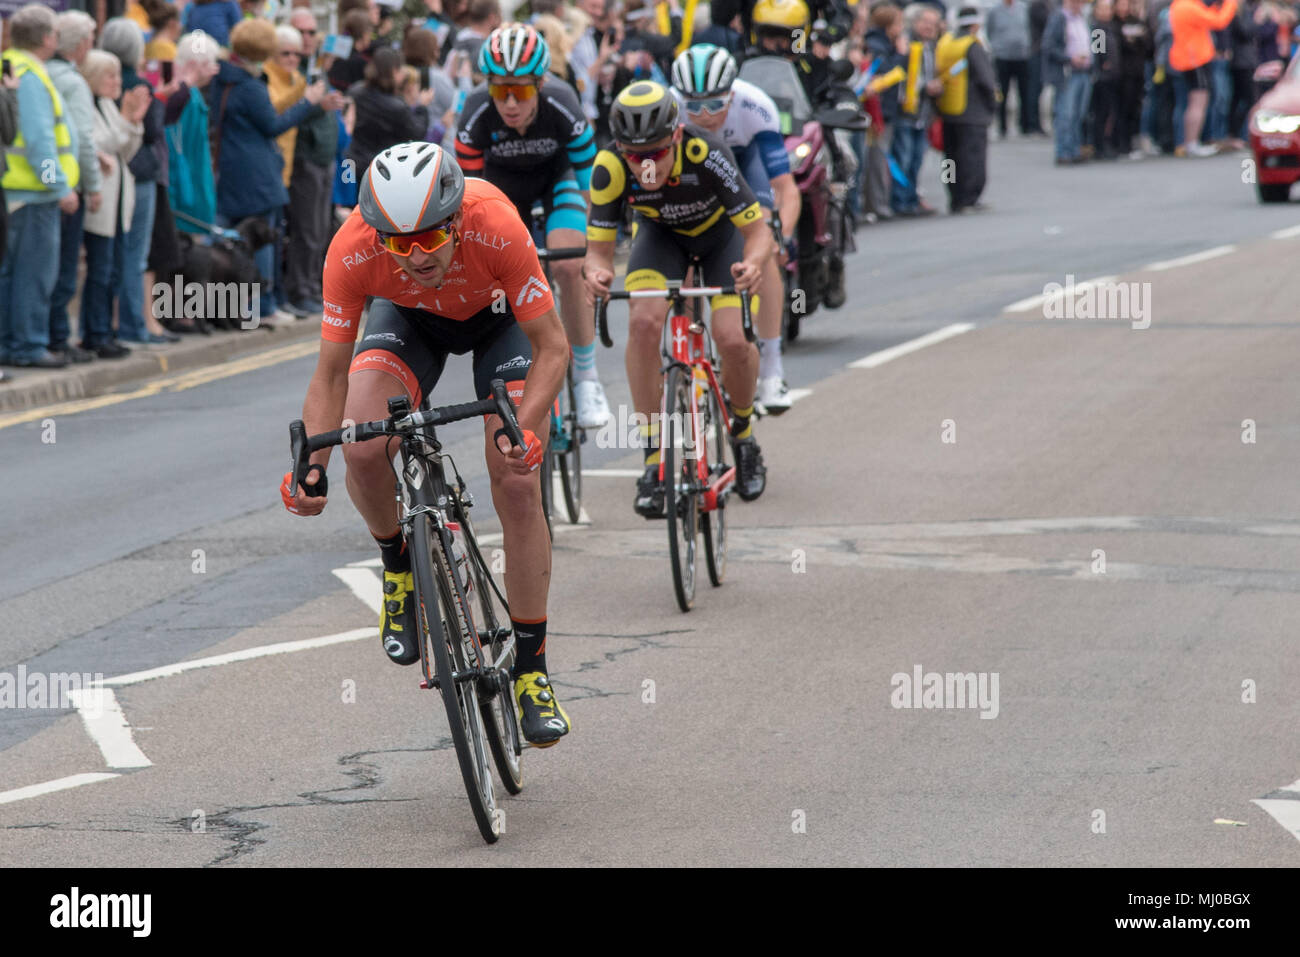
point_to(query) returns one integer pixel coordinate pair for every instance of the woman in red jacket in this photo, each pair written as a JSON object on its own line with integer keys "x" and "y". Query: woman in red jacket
{"x": 1191, "y": 22}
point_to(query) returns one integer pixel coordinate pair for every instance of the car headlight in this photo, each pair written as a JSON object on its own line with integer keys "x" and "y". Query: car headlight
{"x": 1270, "y": 121}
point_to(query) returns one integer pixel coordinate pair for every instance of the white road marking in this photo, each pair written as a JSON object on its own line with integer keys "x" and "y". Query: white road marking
{"x": 1286, "y": 811}
{"x": 108, "y": 727}
{"x": 365, "y": 584}
{"x": 1291, "y": 232}
{"x": 1034, "y": 302}
{"x": 912, "y": 345}
{"x": 58, "y": 784}
{"x": 1190, "y": 259}
{"x": 794, "y": 395}
{"x": 261, "y": 651}
{"x": 612, "y": 473}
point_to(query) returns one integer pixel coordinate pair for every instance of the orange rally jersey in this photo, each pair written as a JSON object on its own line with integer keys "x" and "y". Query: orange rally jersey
{"x": 495, "y": 256}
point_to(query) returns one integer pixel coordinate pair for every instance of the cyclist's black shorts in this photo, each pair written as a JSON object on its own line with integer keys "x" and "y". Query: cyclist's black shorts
{"x": 555, "y": 185}
{"x": 659, "y": 254}
{"x": 412, "y": 345}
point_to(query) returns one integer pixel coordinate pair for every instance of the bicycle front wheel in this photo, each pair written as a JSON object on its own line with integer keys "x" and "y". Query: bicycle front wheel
{"x": 570, "y": 461}
{"x": 678, "y": 445}
{"x": 443, "y": 639}
{"x": 716, "y": 445}
{"x": 547, "y": 470}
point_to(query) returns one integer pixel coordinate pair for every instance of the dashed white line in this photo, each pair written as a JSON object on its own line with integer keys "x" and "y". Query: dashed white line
{"x": 108, "y": 727}
{"x": 1291, "y": 232}
{"x": 1284, "y": 810}
{"x": 364, "y": 584}
{"x": 248, "y": 654}
{"x": 912, "y": 345}
{"x": 58, "y": 784}
{"x": 1034, "y": 302}
{"x": 1190, "y": 259}
{"x": 612, "y": 473}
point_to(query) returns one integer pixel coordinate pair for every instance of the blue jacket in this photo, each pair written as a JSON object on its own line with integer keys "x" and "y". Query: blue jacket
{"x": 249, "y": 170}
{"x": 191, "y": 191}
{"x": 216, "y": 19}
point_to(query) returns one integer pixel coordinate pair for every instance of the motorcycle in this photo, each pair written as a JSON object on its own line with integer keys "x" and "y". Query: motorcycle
{"x": 823, "y": 164}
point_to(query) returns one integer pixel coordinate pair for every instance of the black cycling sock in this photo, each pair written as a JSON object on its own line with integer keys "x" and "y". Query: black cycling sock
{"x": 740, "y": 428}
{"x": 530, "y": 647}
{"x": 393, "y": 550}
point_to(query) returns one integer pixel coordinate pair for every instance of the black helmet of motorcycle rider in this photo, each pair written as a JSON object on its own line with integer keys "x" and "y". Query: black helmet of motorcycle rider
{"x": 782, "y": 26}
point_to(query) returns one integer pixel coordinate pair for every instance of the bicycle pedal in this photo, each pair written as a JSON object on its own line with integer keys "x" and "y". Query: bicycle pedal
{"x": 427, "y": 685}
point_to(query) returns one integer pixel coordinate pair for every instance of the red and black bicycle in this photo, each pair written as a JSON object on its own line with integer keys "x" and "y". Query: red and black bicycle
{"x": 696, "y": 466}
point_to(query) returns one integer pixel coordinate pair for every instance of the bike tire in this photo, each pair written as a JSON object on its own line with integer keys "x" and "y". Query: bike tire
{"x": 713, "y": 524}
{"x": 498, "y": 709}
{"x": 436, "y": 602}
{"x": 547, "y": 471}
{"x": 680, "y": 500}
{"x": 571, "y": 461}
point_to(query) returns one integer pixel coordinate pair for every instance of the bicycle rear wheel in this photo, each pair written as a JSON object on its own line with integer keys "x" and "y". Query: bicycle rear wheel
{"x": 717, "y": 445}
{"x": 678, "y": 444}
{"x": 443, "y": 644}
{"x": 570, "y": 461}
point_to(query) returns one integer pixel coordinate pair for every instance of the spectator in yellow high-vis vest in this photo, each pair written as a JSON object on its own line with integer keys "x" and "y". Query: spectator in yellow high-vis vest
{"x": 40, "y": 182}
{"x": 966, "y": 104}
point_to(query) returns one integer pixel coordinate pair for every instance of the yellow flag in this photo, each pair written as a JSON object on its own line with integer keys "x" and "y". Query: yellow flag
{"x": 688, "y": 26}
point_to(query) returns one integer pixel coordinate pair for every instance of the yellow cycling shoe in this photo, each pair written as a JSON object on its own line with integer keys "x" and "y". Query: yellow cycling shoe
{"x": 396, "y": 619}
{"x": 540, "y": 716}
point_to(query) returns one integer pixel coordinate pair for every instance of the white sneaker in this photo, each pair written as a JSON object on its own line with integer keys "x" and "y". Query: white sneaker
{"x": 1202, "y": 150}
{"x": 593, "y": 409}
{"x": 773, "y": 395}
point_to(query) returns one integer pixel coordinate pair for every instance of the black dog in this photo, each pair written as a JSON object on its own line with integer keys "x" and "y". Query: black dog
{"x": 224, "y": 261}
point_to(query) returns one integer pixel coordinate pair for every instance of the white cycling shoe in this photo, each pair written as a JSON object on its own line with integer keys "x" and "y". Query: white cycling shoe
{"x": 773, "y": 395}
{"x": 593, "y": 409}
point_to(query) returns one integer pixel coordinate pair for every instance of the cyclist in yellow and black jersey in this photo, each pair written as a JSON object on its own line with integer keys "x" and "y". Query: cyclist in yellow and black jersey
{"x": 690, "y": 199}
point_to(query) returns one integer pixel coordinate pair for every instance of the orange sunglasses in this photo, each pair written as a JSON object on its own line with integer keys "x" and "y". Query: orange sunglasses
{"x": 429, "y": 240}
{"x": 523, "y": 92}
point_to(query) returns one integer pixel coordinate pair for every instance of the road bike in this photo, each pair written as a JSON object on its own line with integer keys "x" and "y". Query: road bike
{"x": 695, "y": 457}
{"x": 467, "y": 647}
{"x": 564, "y": 450}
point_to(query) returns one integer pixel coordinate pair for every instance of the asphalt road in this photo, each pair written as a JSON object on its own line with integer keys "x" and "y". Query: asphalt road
{"x": 1099, "y": 518}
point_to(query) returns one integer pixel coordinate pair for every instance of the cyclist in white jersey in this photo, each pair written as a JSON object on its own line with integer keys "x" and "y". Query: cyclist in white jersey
{"x": 705, "y": 82}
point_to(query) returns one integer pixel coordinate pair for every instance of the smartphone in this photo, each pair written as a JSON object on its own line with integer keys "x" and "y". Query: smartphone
{"x": 9, "y": 68}
{"x": 167, "y": 71}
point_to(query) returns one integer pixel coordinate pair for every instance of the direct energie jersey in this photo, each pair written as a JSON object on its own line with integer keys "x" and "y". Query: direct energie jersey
{"x": 558, "y": 137}
{"x": 493, "y": 252}
{"x": 753, "y": 120}
{"x": 704, "y": 184}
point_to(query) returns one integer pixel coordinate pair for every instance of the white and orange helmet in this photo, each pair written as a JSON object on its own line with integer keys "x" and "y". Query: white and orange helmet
{"x": 411, "y": 187}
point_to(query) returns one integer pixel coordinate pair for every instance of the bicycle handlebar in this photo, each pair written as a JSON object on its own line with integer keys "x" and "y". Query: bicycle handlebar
{"x": 561, "y": 252}
{"x": 301, "y": 446}
{"x": 674, "y": 290}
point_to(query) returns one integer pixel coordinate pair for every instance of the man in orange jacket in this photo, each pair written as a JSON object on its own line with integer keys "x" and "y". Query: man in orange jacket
{"x": 1192, "y": 22}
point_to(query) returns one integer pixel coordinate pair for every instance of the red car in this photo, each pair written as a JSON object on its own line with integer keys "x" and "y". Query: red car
{"x": 1275, "y": 137}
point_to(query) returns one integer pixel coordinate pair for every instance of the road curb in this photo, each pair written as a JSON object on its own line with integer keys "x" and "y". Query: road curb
{"x": 26, "y": 389}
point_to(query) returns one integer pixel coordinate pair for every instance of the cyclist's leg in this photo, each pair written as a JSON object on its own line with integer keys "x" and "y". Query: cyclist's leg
{"x": 504, "y": 352}
{"x": 395, "y": 357}
{"x": 656, "y": 257}
{"x": 739, "y": 356}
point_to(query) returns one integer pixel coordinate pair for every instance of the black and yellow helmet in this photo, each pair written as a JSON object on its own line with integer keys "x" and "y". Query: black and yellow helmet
{"x": 644, "y": 112}
{"x": 773, "y": 16}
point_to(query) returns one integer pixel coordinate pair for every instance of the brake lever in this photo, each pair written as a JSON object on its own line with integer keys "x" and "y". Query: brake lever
{"x": 506, "y": 410}
{"x": 602, "y": 307}
{"x": 299, "y": 454}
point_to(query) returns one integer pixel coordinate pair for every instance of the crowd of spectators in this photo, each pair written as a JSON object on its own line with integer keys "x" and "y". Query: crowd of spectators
{"x": 195, "y": 118}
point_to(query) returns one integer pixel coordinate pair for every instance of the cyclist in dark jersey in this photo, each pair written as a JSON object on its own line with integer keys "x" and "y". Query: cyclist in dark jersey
{"x": 525, "y": 132}
{"x": 690, "y": 199}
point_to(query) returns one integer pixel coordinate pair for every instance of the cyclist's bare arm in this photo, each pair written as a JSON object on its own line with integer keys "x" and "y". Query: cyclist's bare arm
{"x": 788, "y": 203}
{"x": 598, "y": 267}
{"x": 327, "y": 393}
{"x": 758, "y": 247}
{"x": 550, "y": 360}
